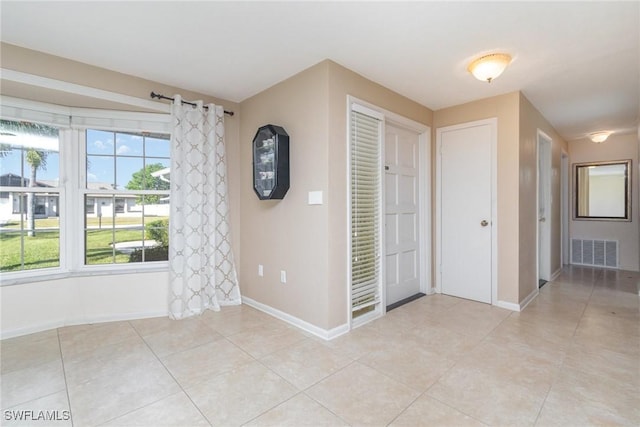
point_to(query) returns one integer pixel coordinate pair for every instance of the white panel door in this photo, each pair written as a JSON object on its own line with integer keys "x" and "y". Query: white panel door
{"x": 465, "y": 217}
{"x": 402, "y": 231}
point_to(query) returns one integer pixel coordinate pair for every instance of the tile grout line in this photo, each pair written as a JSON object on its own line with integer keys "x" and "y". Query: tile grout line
{"x": 165, "y": 397}
{"x": 558, "y": 370}
{"x": 449, "y": 370}
{"x": 64, "y": 374}
{"x": 225, "y": 338}
{"x": 407, "y": 407}
{"x": 303, "y": 391}
{"x": 319, "y": 381}
{"x": 454, "y": 408}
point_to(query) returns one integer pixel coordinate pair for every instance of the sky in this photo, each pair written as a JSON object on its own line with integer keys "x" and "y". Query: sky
{"x": 115, "y": 157}
{"x": 111, "y": 157}
{"x": 12, "y": 161}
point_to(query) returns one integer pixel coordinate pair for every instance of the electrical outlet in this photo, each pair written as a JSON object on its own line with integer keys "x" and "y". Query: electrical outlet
{"x": 260, "y": 270}
{"x": 283, "y": 276}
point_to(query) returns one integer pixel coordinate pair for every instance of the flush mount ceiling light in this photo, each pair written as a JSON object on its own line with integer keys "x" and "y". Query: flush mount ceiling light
{"x": 599, "y": 137}
{"x": 488, "y": 67}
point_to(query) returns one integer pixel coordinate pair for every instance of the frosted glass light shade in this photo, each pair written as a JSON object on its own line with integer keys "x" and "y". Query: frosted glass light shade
{"x": 599, "y": 137}
{"x": 488, "y": 67}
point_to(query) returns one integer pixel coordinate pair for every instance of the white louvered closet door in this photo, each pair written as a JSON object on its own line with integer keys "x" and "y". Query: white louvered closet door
{"x": 366, "y": 133}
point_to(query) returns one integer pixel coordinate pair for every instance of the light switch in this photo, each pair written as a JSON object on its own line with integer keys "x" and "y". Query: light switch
{"x": 315, "y": 197}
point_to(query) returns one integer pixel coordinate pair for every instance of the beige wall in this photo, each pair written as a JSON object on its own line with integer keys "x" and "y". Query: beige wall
{"x": 505, "y": 108}
{"x": 289, "y": 234}
{"x": 308, "y": 242}
{"x": 617, "y": 147}
{"x": 530, "y": 122}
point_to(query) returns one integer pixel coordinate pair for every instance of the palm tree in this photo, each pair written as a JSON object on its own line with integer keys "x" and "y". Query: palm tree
{"x": 37, "y": 159}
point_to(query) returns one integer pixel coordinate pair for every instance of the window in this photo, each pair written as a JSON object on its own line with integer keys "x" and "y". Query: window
{"x": 365, "y": 160}
{"x": 90, "y": 205}
{"x": 81, "y": 190}
{"x": 119, "y": 205}
{"x": 29, "y": 196}
{"x": 131, "y": 222}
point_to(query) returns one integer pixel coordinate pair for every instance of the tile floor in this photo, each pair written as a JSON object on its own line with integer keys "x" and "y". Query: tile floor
{"x": 572, "y": 358}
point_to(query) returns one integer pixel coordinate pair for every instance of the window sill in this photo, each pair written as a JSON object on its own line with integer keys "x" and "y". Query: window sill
{"x": 13, "y": 279}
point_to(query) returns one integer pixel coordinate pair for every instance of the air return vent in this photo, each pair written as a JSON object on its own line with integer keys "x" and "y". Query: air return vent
{"x": 600, "y": 253}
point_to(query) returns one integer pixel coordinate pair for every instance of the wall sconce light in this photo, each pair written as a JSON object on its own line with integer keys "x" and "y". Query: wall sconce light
{"x": 488, "y": 67}
{"x": 599, "y": 137}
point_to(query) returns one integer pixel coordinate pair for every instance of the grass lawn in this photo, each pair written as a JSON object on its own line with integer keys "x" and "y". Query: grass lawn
{"x": 99, "y": 249}
{"x": 40, "y": 251}
{"x": 43, "y": 250}
{"x": 40, "y": 223}
{"x": 91, "y": 222}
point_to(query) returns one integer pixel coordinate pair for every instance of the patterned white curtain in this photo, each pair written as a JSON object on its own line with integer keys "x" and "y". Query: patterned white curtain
{"x": 202, "y": 271}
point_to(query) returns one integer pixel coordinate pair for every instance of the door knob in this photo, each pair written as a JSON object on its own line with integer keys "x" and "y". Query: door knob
{"x": 484, "y": 223}
{"x": 543, "y": 219}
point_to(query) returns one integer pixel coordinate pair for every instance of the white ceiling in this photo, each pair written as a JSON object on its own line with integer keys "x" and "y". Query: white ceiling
{"x": 577, "y": 62}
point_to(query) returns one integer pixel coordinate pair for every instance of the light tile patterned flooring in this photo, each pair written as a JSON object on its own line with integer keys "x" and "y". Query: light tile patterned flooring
{"x": 572, "y": 358}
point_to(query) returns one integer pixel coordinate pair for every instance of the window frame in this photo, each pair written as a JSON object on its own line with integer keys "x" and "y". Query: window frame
{"x": 116, "y": 194}
{"x": 73, "y": 123}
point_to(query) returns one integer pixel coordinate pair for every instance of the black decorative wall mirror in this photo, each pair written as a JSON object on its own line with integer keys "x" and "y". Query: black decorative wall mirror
{"x": 602, "y": 191}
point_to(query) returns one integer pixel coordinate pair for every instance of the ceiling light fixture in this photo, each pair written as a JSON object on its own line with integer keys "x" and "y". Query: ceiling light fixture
{"x": 599, "y": 137}
{"x": 488, "y": 67}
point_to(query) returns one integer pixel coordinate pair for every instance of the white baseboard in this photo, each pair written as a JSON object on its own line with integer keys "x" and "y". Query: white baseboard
{"x": 299, "y": 323}
{"x": 555, "y": 275}
{"x": 518, "y": 307}
{"x": 529, "y": 298}
{"x": 507, "y": 305}
{"x": 117, "y": 318}
{"x": 12, "y": 333}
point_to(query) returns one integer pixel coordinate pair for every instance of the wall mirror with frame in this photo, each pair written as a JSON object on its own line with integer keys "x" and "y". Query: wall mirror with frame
{"x": 602, "y": 191}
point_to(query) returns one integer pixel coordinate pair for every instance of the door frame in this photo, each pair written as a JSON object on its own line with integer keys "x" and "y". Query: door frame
{"x": 544, "y": 145}
{"x": 424, "y": 221}
{"x": 564, "y": 209}
{"x": 493, "y": 124}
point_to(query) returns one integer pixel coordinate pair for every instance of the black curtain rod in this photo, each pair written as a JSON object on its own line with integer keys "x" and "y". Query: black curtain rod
{"x": 159, "y": 96}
